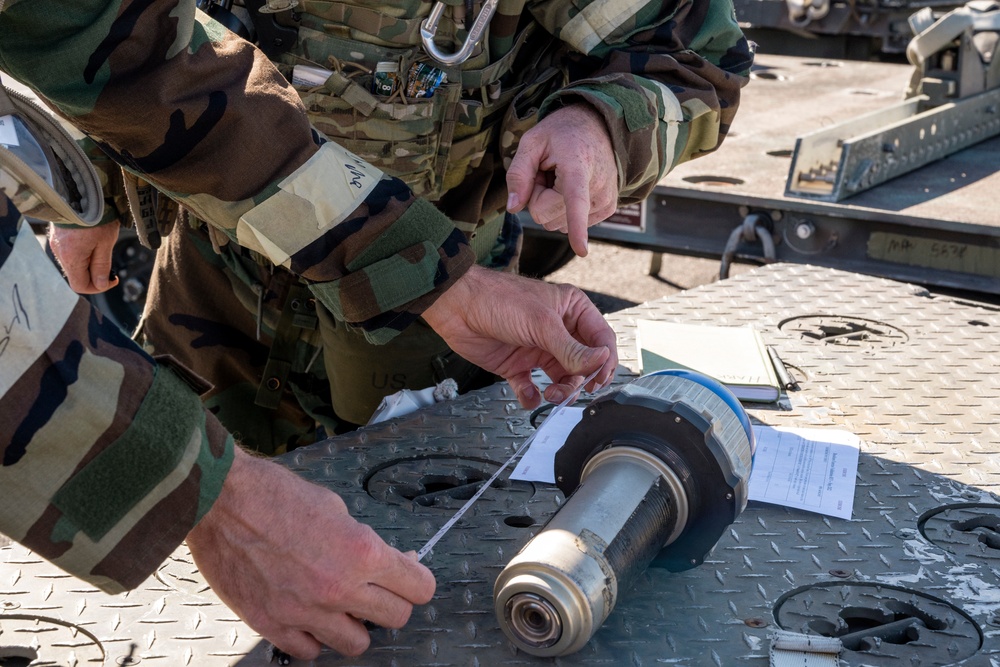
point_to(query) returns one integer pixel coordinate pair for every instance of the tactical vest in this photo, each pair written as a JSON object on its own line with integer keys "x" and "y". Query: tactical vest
{"x": 432, "y": 142}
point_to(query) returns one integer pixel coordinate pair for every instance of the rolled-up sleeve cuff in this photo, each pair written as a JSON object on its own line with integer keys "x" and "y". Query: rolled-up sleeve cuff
{"x": 643, "y": 119}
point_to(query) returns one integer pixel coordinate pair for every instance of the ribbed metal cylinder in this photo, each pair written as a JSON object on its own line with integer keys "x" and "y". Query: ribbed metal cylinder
{"x": 555, "y": 594}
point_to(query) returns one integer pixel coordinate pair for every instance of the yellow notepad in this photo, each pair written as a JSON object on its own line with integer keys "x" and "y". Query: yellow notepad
{"x": 735, "y": 356}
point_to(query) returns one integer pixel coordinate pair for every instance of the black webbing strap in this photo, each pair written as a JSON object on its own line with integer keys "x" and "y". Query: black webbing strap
{"x": 299, "y": 312}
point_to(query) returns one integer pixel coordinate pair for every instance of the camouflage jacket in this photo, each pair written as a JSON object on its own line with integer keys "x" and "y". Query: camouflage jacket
{"x": 109, "y": 459}
{"x": 204, "y": 116}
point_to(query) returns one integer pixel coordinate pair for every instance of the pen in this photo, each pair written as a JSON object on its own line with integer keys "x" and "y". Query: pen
{"x": 784, "y": 378}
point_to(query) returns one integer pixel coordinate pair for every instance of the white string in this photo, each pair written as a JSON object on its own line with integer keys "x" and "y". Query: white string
{"x": 462, "y": 510}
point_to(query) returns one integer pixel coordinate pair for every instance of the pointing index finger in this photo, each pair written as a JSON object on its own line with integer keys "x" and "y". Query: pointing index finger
{"x": 576, "y": 195}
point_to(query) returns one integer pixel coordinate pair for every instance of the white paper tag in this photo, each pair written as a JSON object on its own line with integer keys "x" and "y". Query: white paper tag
{"x": 538, "y": 463}
{"x": 8, "y": 133}
{"x": 304, "y": 75}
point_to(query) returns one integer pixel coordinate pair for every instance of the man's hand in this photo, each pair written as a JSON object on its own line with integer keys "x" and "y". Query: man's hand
{"x": 286, "y": 556}
{"x": 84, "y": 253}
{"x": 509, "y": 325}
{"x": 564, "y": 171}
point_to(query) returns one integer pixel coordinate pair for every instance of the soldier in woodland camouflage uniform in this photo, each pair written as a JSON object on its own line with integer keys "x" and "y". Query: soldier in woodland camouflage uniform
{"x": 109, "y": 459}
{"x": 662, "y": 80}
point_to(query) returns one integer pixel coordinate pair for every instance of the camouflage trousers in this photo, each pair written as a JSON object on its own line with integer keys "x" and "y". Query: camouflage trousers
{"x": 283, "y": 372}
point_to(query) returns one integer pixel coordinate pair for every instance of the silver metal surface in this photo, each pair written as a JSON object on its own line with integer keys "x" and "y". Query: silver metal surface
{"x": 913, "y": 374}
{"x": 790, "y": 97}
{"x": 856, "y": 30}
{"x": 847, "y": 158}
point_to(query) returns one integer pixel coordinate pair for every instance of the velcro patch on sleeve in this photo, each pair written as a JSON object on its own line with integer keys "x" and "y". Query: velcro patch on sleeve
{"x": 107, "y": 488}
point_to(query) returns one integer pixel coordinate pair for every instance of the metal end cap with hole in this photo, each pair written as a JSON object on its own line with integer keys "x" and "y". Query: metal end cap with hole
{"x": 545, "y": 614}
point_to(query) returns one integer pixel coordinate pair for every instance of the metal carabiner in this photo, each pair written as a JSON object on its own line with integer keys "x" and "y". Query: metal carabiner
{"x": 430, "y": 25}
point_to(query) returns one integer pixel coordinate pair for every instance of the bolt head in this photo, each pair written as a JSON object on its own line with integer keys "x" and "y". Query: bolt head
{"x": 804, "y": 230}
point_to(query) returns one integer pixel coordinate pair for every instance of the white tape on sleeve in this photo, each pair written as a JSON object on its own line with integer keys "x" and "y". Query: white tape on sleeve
{"x": 35, "y": 303}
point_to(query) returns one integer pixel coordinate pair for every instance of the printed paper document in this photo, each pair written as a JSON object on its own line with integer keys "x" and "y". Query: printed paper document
{"x": 809, "y": 468}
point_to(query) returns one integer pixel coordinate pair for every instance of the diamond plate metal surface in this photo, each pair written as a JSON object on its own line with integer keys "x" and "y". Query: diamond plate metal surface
{"x": 913, "y": 374}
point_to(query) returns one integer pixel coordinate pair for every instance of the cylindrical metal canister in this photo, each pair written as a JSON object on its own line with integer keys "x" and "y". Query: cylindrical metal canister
{"x": 662, "y": 461}
{"x": 561, "y": 587}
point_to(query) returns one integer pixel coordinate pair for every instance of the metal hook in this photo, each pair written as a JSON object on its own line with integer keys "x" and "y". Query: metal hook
{"x": 430, "y": 25}
{"x": 753, "y": 228}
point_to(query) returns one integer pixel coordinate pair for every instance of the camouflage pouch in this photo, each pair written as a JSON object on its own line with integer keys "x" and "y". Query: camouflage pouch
{"x": 362, "y": 374}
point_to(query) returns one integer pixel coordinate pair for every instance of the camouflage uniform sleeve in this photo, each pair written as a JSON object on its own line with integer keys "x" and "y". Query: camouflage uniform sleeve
{"x": 666, "y": 77}
{"x": 203, "y": 115}
{"x": 109, "y": 459}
